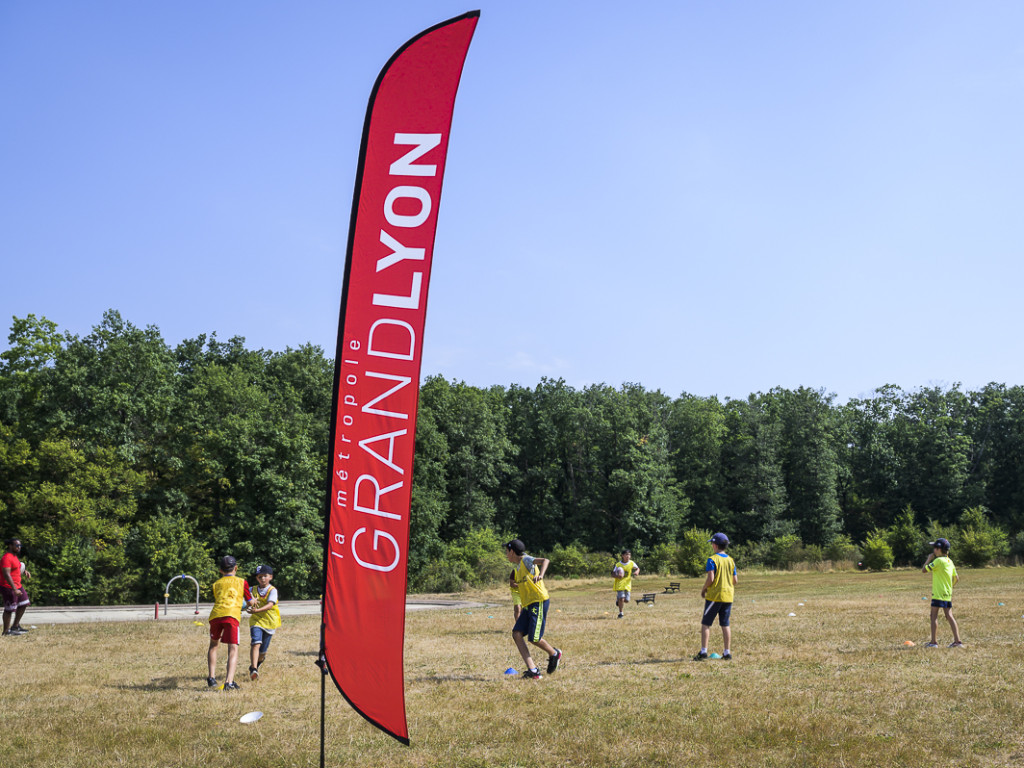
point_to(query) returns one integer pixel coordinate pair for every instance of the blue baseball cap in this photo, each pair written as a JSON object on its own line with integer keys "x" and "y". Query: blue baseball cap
{"x": 940, "y": 543}
{"x": 719, "y": 539}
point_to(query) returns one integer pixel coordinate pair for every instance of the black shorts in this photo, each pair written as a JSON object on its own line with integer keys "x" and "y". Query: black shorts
{"x": 532, "y": 620}
{"x": 712, "y": 609}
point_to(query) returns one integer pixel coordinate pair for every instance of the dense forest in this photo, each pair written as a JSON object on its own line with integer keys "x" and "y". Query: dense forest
{"x": 125, "y": 461}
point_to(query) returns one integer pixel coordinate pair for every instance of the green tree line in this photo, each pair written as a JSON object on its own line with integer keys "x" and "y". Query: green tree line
{"x": 125, "y": 461}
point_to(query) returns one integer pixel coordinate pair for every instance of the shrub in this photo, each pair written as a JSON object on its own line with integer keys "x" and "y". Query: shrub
{"x": 661, "y": 559}
{"x": 980, "y": 541}
{"x": 442, "y": 575}
{"x": 164, "y": 547}
{"x": 841, "y": 548}
{"x": 693, "y": 551}
{"x": 476, "y": 559}
{"x": 752, "y": 553}
{"x": 784, "y": 551}
{"x": 812, "y": 553}
{"x": 569, "y": 561}
{"x": 599, "y": 563}
{"x": 1017, "y": 545}
{"x": 907, "y": 541}
{"x": 876, "y": 552}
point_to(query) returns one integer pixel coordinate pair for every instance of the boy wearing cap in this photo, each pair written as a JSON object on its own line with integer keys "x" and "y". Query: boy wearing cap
{"x": 718, "y": 591}
{"x": 529, "y": 577}
{"x": 265, "y": 618}
{"x": 944, "y": 578}
{"x": 230, "y": 594}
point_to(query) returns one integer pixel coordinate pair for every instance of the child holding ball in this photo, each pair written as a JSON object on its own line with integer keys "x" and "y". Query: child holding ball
{"x": 624, "y": 571}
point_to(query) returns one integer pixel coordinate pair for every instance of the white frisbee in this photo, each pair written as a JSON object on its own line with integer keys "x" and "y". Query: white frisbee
{"x": 250, "y": 717}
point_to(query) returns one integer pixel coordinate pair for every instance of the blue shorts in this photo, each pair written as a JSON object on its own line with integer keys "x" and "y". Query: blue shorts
{"x": 261, "y": 637}
{"x": 942, "y": 603}
{"x": 532, "y": 620}
{"x": 712, "y": 609}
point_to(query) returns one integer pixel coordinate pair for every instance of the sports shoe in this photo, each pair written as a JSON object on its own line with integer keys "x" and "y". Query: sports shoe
{"x": 19, "y": 628}
{"x": 701, "y": 656}
{"x": 931, "y": 645}
{"x": 621, "y": 615}
{"x": 553, "y": 661}
{"x": 254, "y": 674}
{"x": 957, "y": 644}
{"x": 727, "y": 656}
{"x": 232, "y": 686}
{"x": 211, "y": 681}
{"x": 531, "y": 675}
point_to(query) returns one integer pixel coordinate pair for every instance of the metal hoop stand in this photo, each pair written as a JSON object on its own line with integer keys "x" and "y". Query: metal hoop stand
{"x": 167, "y": 590}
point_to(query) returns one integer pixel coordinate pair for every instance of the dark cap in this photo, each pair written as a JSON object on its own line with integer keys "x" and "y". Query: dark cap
{"x": 264, "y": 569}
{"x": 516, "y": 546}
{"x": 720, "y": 540}
{"x": 942, "y": 544}
{"x": 227, "y": 563}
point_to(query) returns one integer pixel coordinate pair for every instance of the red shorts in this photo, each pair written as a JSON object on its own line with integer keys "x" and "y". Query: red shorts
{"x": 224, "y": 629}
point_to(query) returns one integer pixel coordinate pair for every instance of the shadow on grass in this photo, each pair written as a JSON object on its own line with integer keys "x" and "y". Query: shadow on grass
{"x": 165, "y": 684}
{"x": 453, "y": 679}
{"x": 633, "y": 663}
{"x": 478, "y": 632}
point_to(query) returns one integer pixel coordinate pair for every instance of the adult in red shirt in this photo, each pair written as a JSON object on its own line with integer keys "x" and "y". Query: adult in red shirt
{"x": 14, "y": 595}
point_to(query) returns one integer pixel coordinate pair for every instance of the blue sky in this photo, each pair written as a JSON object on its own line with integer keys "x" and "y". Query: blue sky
{"x": 716, "y": 198}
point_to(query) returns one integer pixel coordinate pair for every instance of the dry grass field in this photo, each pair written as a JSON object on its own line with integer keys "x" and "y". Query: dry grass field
{"x": 832, "y": 686}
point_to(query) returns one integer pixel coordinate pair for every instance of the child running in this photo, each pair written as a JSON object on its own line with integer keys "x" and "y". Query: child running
{"x": 230, "y": 595}
{"x": 265, "y": 618}
{"x": 624, "y": 583}
{"x": 529, "y": 577}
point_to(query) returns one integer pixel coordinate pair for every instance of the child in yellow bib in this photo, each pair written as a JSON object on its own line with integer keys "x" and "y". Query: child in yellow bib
{"x": 718, "y": 592}
{"x": 624, "y": 583}
{"x": 266, "y": 617}
{"x": 529, "y": 578}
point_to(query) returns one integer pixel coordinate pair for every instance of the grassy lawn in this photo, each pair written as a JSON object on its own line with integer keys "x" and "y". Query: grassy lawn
{"x": 832, "y": 686}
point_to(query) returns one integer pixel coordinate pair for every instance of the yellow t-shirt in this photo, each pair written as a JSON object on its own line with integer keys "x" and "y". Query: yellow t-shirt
{"x": 722, "y": 589}
{"x": 228, "y": 597}
{"x": 269, "y": 619}
{"x": 944, "y": 575}
{"x": 625, "y": 584}
{"x": 530, "y": 590}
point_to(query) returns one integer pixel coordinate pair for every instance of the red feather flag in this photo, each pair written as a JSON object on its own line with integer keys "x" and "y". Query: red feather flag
{"x": 377, "y": 369}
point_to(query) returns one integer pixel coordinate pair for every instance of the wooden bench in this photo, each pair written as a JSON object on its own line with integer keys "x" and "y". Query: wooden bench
{"x": 673, "y": 586}
{"x": 647, "y": 598}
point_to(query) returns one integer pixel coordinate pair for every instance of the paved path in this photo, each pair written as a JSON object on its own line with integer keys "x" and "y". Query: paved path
{"x": 51, "y": 615}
